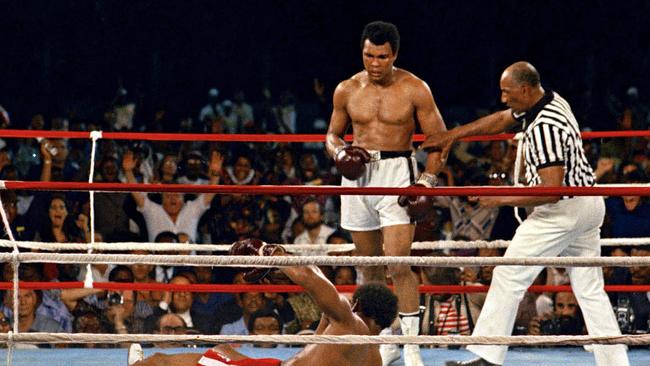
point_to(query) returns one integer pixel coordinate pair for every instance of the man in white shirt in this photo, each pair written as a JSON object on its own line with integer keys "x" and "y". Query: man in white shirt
{"x": 173, "y": 214}
{"x": 243, "y": 111}
{"x": 212, "y": 110}
{"x": 315, "y": 231}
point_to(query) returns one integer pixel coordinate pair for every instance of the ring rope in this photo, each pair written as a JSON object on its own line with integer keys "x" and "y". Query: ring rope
{"x": 7, "y": 226}
{"x": 294, "y": 248}
{"x": 293, "y": 190}
{"x": 10, "y": 347}
{"x": 517, "y": 170}
{"x": 15, "y": 301}
{"x": 15, "y": 263}
{"x": 16, "y": 257}
{"x": 94, "y": 135}
{"x": 277, "y": 261}
{"x": 632, "y": 340}
{"x": 229, "y": 288}
{"x": 269, "y": 137}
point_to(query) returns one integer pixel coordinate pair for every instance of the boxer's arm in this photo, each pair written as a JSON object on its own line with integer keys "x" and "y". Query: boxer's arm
{"x": 431, "y": 122}
{"x": 322, "y": 324}
{"x": 339, "y": 120}
{"x": 330, "y": 302}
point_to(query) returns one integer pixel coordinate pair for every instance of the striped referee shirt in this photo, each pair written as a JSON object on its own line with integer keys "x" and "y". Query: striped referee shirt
{"x": 552, "y": 138}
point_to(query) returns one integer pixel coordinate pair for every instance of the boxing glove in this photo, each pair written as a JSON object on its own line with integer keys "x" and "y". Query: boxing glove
{"x": 255, "y": 247}
{"x": 418, "y": 207}
{"x": 351, "y": 161}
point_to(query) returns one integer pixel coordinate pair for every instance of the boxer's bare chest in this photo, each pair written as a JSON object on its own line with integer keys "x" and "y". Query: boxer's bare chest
{"x": 390, "y": 106}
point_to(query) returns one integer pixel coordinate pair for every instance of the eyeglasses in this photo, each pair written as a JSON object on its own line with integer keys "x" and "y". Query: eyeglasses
{"x": 173, "y": 330}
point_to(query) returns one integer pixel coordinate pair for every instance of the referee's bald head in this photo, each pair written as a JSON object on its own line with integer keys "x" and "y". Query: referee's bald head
{"x": 523, "y": 72}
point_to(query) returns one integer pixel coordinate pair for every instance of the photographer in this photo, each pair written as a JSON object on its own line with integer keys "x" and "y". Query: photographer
{"x": 124, "y": 312}
{"x": 566, "y": 318}
{"x": 632, "y": 309}
{"x": 120, "y": 308}
{"x": 444, "y": 314}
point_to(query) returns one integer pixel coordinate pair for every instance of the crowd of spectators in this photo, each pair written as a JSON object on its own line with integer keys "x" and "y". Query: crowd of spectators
{"x": 209, "y": 218}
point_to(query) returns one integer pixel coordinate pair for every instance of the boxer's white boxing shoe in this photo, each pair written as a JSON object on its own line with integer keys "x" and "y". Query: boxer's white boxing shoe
{"x": 474, "y": 362}
{"x": 135, "y": 354}
{"x": 411, "y": 326}
{"x": 389, "y": 352}
{"x": 412, "y": 355}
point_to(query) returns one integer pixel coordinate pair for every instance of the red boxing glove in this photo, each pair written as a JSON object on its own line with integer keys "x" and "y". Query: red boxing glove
{"x": 419, "y": 207}
{"x": 351, "y": 161}
{"x": 255, "y": 247}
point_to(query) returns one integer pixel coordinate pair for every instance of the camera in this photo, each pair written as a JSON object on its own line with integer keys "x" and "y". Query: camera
{"x": 624, "y": 314}
{"x": 52, "y": 149}
{"x": 114, "y": 298}
{"x": 550, "y": 327}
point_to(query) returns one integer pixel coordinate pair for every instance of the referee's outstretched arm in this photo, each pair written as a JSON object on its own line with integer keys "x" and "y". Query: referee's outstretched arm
{"x": 489, "y": 125}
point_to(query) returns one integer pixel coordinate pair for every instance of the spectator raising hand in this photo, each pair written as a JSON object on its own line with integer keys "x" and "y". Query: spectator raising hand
{"x": 46, "y": 170}
{"x": 82, "y": 223}
{"x": 603, "y": 167}
{"x": 128, "y": 162}
{"x": 216, "y": 165}
{"x": 174, "y": 214}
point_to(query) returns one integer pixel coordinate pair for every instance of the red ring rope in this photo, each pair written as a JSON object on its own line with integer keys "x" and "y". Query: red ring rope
{"x": 266, "y": 137}
{"x": 333, "y": 190}
{"x": 436, "y": 289}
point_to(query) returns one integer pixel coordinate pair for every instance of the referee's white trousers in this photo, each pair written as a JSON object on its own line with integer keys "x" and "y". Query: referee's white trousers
{"x": 569, "y": 227}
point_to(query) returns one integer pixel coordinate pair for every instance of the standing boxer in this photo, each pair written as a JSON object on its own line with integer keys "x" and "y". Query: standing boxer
{"x": 382, "y": 103}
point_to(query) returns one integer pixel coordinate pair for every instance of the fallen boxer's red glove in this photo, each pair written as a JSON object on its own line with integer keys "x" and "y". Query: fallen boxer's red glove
{"x": 255, "y": 247}
{"x": 351, "y": 161}
{"x": 419, "y": 207}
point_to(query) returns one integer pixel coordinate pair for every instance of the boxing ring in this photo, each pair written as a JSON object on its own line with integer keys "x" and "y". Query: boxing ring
{"x": 566, "y": 356}
{"x": 571, "y": 352}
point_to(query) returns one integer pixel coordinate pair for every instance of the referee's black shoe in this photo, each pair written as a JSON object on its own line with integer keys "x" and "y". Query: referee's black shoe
{"x": 474, "y": 362}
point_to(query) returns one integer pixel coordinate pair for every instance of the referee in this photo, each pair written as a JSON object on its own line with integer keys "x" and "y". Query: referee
{"x": 558, "y": 226}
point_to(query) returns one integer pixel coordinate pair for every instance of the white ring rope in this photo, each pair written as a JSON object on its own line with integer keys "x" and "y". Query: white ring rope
{"x": 279, "y": 261}
{"x": 94, "y": 135}
{"x": 519, "y": 137}
{"x": 643, "y": 339}
{"x": 294, "y": 248}
{"x": 6, "y": 225}
{"x": 10, "y": 347}
{"x": 15, "y": 263}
